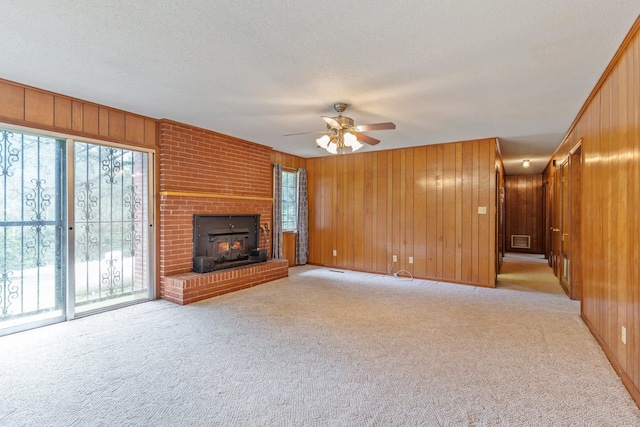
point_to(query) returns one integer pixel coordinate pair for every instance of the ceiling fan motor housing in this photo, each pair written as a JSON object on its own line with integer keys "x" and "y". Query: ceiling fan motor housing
{"x": 345, "y": 122}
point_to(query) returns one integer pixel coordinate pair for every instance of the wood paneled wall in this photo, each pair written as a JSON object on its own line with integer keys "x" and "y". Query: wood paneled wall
{"x": 417, "y": 202}
{"x": 36, "y": 108}
{"x": 609, "y": 126}
{"x": 524, "y": 211}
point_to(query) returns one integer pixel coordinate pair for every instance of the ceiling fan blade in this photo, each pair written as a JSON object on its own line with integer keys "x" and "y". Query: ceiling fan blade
{"x": 376, "y": 126}
{"x": 331, "y": 122}
{"x": 366, "y": 139}
{"x": 306, "y": 133}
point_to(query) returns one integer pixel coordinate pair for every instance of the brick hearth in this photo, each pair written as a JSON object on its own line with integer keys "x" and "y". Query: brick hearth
{"x": 191, "y": 287}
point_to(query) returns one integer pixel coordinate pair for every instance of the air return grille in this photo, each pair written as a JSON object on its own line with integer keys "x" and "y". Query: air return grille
{"x": 520, "y": 241}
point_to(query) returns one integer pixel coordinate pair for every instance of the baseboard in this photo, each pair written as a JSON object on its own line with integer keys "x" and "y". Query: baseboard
{"x": 626, "y": 380}
{"x": 386, "y": 273}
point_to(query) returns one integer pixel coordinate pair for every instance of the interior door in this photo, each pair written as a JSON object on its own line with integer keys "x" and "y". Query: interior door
{"x": 555, "y": 222}
{"x": 565, "y": 227}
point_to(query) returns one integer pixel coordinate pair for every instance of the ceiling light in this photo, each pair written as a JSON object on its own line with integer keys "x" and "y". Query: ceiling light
{"x": 526, "y": 163}
{"x": 323, "y": 141}
{"x": 339, "y": 141}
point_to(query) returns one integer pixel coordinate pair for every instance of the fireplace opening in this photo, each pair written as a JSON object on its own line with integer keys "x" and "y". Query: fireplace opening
{"x": 225, "y": 241}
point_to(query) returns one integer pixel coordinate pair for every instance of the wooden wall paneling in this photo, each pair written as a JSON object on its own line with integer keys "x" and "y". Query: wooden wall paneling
{"x": 407, "y": 247}
{"x": 609, "y": 202}
{"x": 12, "y": 104}
{"x": 372, "y": 175}
{"x": 467, "y": 214}
{"x": 484, "y": 186}
{"x": 38, "y": 107}
{"x": 432, "y": 211}
{"x": 333, "y": 218}
{"x": 449, "y": 211}
{"x": 395, "y": 214}
{"x": 440, "y": 212}
{"x": 77, "y": 115}
{"x": 134, "y": 129}
{"x": 62, "y": 112}
{"x": 458, "y": 212}
{"x": 318, "y": 229}
{"x": 103, "y": 122}
{"x": 424, "y": 202}
{"x": 633, "y": 316}
{"x": 621, "y": 135}
{"x": 380, "y": 248}
{"x": 389, "y": 217}
{"x": 91, "y": 119}
{"x": 419, "y": 235}
{"x": 524, "y": 210}
{"x": 475, "y": 219}
{"x": 117, "y": 124}
{"x": 350, "y": 209}
{"x": 538, "y": 215}
{"x": 609, "y": 127}
{"x": 289, "y": 248}
{"x": 150, "y": 131}
{"x": 368, "y": 212}
{"x": 345, "y": 255}
{"x": 358, "y": 221}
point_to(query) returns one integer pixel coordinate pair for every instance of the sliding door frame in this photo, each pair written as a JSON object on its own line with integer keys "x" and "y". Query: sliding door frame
{"x": 68, "y": 236}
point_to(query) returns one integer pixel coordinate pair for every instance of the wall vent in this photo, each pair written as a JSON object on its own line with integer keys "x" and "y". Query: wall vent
{"x": 520, "y": 241}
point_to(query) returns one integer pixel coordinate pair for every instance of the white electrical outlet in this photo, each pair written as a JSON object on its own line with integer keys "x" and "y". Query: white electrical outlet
{"x": 335, "y": 253}
{"x": 624, "y": 335}
{"x": 395, "y": 258}
{"x": 410, "y": 260}
{"x": 482, "y": 210}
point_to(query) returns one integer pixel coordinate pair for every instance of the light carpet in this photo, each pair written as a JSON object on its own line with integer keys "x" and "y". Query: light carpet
{"x": 323, "y": 348}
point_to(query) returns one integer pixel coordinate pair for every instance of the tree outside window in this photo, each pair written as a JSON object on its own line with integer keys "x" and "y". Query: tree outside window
{"x": 289, "y": 201}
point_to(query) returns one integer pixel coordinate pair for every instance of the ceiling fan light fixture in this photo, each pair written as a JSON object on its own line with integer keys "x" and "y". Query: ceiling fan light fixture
{"x": 332, "y": 148}
{"x": 342, "y": 132}
{"x": 323, "y": 141}
{"x": 349, "y": 139}
{"x": 526, "y": 163}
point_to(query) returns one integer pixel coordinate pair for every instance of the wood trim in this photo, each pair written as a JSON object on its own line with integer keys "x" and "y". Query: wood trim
{"x": 211, "y": 195}
{"x": 635, "y": 28}
{"x": 626, "y": 380}
{"x": 576, "y": 147}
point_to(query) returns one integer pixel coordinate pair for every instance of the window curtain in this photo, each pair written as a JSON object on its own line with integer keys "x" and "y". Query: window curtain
{"x": 302, "y": 237}
{"x": 276, "y": 251}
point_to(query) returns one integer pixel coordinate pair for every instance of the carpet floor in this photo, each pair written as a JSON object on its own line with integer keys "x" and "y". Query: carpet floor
{"x": 323, "y": 348}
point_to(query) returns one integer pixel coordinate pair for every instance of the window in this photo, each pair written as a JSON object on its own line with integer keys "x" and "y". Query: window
{"x": 289, "y": 201}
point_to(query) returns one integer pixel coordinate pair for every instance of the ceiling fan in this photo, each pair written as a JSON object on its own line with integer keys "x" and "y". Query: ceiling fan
{"x": 342, "y": 133}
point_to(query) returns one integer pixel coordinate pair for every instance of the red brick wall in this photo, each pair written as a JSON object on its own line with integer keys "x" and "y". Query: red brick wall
{"x": 229, "y": 175}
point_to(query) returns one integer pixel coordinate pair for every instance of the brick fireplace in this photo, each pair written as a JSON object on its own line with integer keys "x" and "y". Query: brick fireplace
{"x": 204, "y": 172}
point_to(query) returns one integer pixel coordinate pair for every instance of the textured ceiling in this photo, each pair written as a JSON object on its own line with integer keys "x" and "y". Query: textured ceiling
{"x": 442, "y": 71}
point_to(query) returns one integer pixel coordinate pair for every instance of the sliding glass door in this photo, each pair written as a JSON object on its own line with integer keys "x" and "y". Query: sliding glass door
{"x": 74, "y": 229}
{"x": 111, "y": 222}
{"x": 33, "y": 260}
